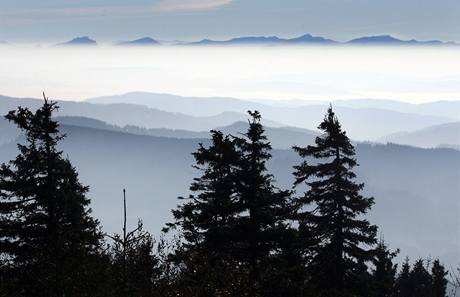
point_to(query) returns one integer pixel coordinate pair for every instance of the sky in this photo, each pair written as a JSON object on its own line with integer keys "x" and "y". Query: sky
{"x": 109, "y": 20}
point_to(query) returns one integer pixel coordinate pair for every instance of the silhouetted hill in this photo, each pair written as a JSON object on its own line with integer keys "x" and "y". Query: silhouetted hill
{"x": 361, "y": 123}
{"x": 270, "y": 40}
{"x": 213, "y": 105}
{"x": 146, "y": 41}
{"x": 446, "y": 135}
{"x": 416, "y": 190}
{"x": 131, "y": 114}
{"x": 79, "y": 41}
{"x": 381, "y": 39}
{"x": 390, "y": 40}
{"x": 281, "y": 138}
{"x": 448, "y": 109}
{"x": 203, "y": 114}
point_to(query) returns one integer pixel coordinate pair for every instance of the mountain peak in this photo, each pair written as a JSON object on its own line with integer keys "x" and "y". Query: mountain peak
{"x": 83, "y": 40}
{"x": 308, "y": 38}
{"x": 376, "y": 39}
{"x": 140, "y": 41}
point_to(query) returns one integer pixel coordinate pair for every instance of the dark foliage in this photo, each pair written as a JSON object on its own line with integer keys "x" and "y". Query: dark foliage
{"x": 49, "y": 242}
{"x": 238, "y": 234}
{"x": 333, "y": 210}
{"x": 384, "y": 272}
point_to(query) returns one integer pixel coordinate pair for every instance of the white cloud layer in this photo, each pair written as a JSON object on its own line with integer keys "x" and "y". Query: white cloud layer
{"x": 189, "y": 5}
{"x": 56, "y": 14}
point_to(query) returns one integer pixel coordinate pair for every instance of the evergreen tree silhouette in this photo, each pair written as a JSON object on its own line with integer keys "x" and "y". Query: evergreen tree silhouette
{"x": 421, "y": 279}
{"x": 384, "y": 272}
{"x": 135, "y": 266}
{"x": 439, "y": 279}
{"x": 333, "y": 207}
{"x": 404, "y": 286}
{"x": 235, "y": 223}
{"x": 263, "y": 224}
{"x": 47, "y": 232}
{"x": 207, "y": 222}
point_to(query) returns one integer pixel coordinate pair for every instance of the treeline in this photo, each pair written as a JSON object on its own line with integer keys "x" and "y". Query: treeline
{"x": 237, "y": 234}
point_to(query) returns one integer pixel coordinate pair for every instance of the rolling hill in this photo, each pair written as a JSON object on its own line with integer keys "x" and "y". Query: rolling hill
{"x": 362, "y": 122}
{"x": 446, "y": 135}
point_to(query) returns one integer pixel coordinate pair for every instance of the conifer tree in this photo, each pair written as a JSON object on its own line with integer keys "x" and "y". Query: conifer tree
{"x": 384, "y": 272}
{"x": 404, "y": 287}
{"x": 334, "y": 208}
{"x": 236, "y": 220}
{"x": 263, "y": 223}
{"x": 421, "y": 279}
{"x": 47, "y": 231}
{"x": 134, "y": 264}
{"x": 439, "y": 279}
{"x": 207, "y": 221}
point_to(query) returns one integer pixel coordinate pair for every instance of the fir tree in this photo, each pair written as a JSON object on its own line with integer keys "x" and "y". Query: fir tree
{"x": 263, "y": 222}
{"x": 334, "y": 207}
{"x": 134, "y": 264}
{"x": 207, "y": 221}
{"x": 384, "y": 272}
{"x": 47, "y": 232}
{"x": 404, "y": 287}
{"x": 439, "y": 279}
{"x": 421, "y": 279}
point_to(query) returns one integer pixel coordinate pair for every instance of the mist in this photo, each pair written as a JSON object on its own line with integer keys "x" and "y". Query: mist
{"x": 315, "y": 73}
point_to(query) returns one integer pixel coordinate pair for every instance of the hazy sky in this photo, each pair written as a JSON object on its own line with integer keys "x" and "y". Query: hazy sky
{"x": 53, "y": 20}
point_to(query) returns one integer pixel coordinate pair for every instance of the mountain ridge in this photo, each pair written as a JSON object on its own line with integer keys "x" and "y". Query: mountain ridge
{"x": 305, "y": 39}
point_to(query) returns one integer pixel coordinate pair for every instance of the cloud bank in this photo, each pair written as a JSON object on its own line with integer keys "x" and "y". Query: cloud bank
{"x": 189, "y": 5}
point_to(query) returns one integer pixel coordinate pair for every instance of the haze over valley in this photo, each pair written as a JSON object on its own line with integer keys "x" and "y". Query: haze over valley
{"x": 143, "y": 142}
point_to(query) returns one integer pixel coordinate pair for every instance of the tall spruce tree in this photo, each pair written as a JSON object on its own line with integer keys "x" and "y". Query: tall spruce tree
{"x": 47, "y": 232}
{"x": 439, "y": 279}
{"x": 384, "y": 272}
{"x": 207, "y": 222}
{"x": 421, "y": 279}
{"x": 404, "y": 286}
{"x": 263, "y": 223}
{"x": 334, "y": 208}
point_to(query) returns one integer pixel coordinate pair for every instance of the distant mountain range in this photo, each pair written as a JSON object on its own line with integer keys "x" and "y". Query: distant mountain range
{"x": 306, "y": 39}
{"x": 309, "y": 39}
{"x": 159, "y": 111}
{"x": 362, "y": 121}
{"x": 281, "y": 138}
{"x": 122, "y": 114}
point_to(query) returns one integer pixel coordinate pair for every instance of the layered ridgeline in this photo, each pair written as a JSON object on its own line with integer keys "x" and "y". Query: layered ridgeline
{"x": 276, "y": 241}
{"x": 304, "y": 40}
{"x": 415, "y": 189}
{"x": 241, "y": 235}
{"x": 365, "y": 120}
